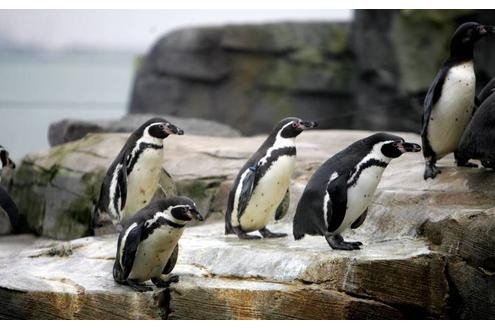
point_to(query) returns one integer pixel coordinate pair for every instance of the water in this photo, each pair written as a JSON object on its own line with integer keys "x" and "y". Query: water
{"x": 37, "y": 89}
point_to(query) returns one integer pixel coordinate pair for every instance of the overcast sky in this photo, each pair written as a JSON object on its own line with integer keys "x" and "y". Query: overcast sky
{"x": 130, "y": 29}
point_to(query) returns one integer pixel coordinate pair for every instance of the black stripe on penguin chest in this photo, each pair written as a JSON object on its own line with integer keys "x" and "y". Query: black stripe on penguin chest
{"x": 132, "y": 160}
{"x": 274, "y": 156}
{"x": 370, "y": 163}
{"x": 148, "y": 231}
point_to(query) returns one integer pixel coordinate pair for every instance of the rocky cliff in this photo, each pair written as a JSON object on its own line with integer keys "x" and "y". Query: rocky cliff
{"x": 371, "y": 73}
{"x": 429, "y": 247}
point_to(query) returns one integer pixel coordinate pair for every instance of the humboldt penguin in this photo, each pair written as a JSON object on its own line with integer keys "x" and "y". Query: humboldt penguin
{"x": 338, "y": 194}
{"x": 450, "y": 101}
{"x": 133, "y": 177}
{"x": 148, "y": 245}
{"x": 263, "y": 182}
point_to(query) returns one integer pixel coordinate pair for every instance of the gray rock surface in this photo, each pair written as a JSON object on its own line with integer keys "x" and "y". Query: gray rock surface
{"x": 428, "y": 249}
{"x": 70, "y": 130}
{"x": 371, "y": 73}
{"x": 56, "y": 190}
{"x": 248, "y": 76}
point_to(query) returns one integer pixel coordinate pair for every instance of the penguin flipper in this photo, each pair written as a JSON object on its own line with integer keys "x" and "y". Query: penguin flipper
{"x": 131, "y": 244}
{"x": 122, "y": 187}
{"x": 432, "y": 97}
{"x": 171, "y": 261}
{"x": 356, "y": 224}
{"x": 247, "y": 183}
{"x": 283, "y": 207}
{"x": 11, "y": 209}
{"x": 337, "y": 190}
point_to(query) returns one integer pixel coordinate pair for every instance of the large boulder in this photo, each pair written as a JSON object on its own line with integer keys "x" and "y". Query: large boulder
{"x": 56, "y": 190}
{"x": 248, "y": 76}
{"x": 428, "y": 249}
{"x": 371, "y": 73}
{"x": 67, "y": 130}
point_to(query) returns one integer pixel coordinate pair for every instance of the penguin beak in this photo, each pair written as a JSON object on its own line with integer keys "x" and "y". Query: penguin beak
{"x": 307, "y": 125}
{"x": 172, "y": 129}
{"x": 486, "y": 29}
{"x": 408, "y": 147}
{"x": 194, "y": 214}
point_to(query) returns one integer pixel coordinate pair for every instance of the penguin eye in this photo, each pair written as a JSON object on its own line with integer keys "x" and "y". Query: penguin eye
{"x": 162, "y": 126}
{"x": 294, "y": 124}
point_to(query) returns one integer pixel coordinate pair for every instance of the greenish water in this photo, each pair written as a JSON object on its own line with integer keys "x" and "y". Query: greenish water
{"x": 37, "y": 89}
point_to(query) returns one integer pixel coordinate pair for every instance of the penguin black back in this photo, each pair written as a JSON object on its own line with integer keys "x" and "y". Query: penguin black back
{"x": 479, "y": 137}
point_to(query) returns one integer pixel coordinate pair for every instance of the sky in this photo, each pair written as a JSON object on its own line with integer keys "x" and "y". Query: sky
{"x": 129, "y": 30}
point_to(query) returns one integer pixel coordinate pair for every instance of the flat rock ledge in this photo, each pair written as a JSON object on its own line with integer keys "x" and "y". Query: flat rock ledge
{"x": 223, "y": 278}
{"x": 429, "y": 247}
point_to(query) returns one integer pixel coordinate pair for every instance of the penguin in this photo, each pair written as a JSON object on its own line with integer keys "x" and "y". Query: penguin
{"x": 262, "y": 184}
{"x": 148, "y": 247}
{"x": 450, "y": 100}
{"x": 478, "y": 139}
{"x": 5, "y": 160}
{"x": 338, "y": 194}
{"x": 133, "y": 177}
{"x": 6, "y": 202}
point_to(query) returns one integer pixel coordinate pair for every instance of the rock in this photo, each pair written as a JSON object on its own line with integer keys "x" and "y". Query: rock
{"x": 70, "y": 130}
{"x": 248, "y": 75}
{"x": 428, "y": 245}
{"x": 371, "y": 73}
{"x": 56, "y": 190}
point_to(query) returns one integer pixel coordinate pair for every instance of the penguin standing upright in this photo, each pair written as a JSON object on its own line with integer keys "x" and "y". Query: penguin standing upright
{"x": 478, "y": 141}
{"x": 6, "y": 202}
{"x": 449, "y": 103}
{"x": 148, "y": 244}
{"x": 338, "y": 194}
{"x": 133, "y": 177}
{"x": 263, "y": 182}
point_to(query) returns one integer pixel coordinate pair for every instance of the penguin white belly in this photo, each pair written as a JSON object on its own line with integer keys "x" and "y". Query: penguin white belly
{"x": 453, "y": 111}
{"x": 360, "y": 195}
{"x": 143, "y": 180}
{"x": 268, "y": 194}
{"x": 153, "y": 253}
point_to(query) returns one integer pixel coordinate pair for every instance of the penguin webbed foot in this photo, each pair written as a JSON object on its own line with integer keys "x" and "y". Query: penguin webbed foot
{"x": 337, "y": 242}
{"x": 242, "y": 235}
{"x": 268, "y": 234}
{"x": 431, "y": 171}
{"x": 165, "y": 283}
{"x": 138, "y": 287}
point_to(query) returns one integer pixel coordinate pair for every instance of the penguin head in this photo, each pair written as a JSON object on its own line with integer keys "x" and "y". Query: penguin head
{"x": 183, "y": 208}
{"x": 467, "y": 35}
{"x": 292, "y": 126}
{"x": 393, "y": 146}
{"x": 5, "y": 160}
{"x": 160, "y": 128}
